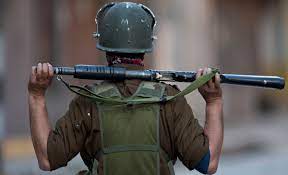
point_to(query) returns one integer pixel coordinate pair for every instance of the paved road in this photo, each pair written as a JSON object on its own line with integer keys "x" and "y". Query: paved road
{"x": 248, "y": 164}
{"x": 253, "y": 148}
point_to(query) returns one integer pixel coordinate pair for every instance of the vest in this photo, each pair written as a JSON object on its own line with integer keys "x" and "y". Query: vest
{"x": 130, "y": 126}
{"x": 130, "y": 133}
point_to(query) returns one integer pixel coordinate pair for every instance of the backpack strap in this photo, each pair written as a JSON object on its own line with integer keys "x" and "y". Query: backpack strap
{"x": 169, "y": 161}
{"x": 95, "y": 167}
{"x": 106, "y": 89}
{"x": 150, "y": 89}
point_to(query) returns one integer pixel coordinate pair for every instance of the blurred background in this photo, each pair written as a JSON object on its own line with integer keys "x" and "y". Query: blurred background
{"x": 237, "y": 36}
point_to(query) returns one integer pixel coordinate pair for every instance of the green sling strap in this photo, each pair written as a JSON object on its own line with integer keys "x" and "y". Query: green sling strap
{"x": 90, "y": 94}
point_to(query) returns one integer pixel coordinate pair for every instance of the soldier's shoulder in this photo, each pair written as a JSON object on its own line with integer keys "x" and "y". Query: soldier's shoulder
{"x": 171, "y": 89}
{"x": 84, "y": 90}
{"x": 91, "y": 86}
{"x": 102, "y": 88}
{"x": 100, "y": 84}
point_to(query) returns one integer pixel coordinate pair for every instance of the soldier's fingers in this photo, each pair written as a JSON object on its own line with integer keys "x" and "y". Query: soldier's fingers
{"x": 33, "y": 71}
{"x": 33, "y": 74}
{"x": 45, "y": 70}
{"x": 205, "y": 71}
{"x": 210, "y": 82}
{"x": 51, "y": 71}
{"x": 202, "y": 72}
{"x": 199, "y": 73}
{"x": 209, "y": 70}
{"x": 217, "y": 80}
{"x": 39, "y": 71}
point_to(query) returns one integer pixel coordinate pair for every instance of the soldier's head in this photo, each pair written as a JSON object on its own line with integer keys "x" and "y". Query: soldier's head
{"x": 125, "y": 31}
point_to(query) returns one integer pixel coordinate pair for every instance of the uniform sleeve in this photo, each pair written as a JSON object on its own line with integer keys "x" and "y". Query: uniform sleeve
{"x": 190, "y": 141}
{"x": 203, "y": 165}
{"x": 68, "y": 137}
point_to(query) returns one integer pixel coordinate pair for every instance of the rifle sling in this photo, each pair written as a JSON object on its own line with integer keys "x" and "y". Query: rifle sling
{"x": 82, "y": 91}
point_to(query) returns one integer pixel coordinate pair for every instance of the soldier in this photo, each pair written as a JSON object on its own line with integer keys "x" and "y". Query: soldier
{"x": 127, "y": 139}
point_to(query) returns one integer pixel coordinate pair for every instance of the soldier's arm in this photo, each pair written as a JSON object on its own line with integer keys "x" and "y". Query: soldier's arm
{"x": 213, "y": 129}
{"x": 68, "y": 137}
{"x": 54, "y": 148}
{"x": 40, "y": 127}
{"x": 191, "y": 143}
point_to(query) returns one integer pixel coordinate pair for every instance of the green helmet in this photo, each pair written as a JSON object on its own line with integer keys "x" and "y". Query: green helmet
{"x": 125, "y": 27}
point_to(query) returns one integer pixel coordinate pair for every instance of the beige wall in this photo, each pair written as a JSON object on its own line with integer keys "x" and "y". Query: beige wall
{"x": 184, "y": 31}
{"x": 227, "y": 34}
{"x": 185, "y": 40}
{"x": 191, "y": 34}
{"x": 17, "y": 28}
{"x": 285, "y": 20}
{"x": 37, "y": 31}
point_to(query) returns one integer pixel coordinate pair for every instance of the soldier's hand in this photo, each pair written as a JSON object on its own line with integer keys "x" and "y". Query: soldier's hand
{"x": 40, "y": 79}
{"x": 211, "y": 91}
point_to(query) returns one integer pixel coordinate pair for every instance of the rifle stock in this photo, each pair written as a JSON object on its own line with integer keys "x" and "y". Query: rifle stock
{"x": 98, "y": 72}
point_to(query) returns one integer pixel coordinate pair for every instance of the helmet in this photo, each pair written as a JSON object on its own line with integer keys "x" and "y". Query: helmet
{"x": 125, "y": 27}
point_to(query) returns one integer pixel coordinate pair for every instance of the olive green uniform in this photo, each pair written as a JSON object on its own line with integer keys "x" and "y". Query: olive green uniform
{"x": 127, "y": 27}
{"x": 79, "y": 131}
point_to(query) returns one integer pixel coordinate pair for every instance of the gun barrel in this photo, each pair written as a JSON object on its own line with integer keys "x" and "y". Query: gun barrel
{"x": 64, "y": 70}
{"x": 103, "y": 72}
{"x": 254, "y": 80}
{"x": 97, "y": 72}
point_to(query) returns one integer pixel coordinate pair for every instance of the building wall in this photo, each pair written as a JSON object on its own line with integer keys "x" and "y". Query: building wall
{"x": 18, "y": 60}
{"x": 191, "y": 34}
{"x": 185, "y": 41}
{"x": 232, "y": 35}
{"x": 46, "y": 31}
{"x": 284, "y": 9}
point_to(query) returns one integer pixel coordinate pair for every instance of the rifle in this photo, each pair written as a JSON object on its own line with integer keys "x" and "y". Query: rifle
{"x": 99, "y": 72}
